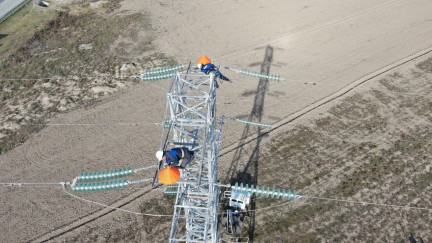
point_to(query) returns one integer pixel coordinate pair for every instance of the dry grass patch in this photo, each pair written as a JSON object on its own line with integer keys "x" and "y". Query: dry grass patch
{"x": 77, "y": 58}
{"x": 372, "y": 147}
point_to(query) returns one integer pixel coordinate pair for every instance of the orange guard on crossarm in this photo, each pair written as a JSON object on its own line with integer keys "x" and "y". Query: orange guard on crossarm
{"x": 169, "y": 175}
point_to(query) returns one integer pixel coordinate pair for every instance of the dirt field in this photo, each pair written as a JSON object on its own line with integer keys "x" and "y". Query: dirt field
{"x": 351, "y": 123}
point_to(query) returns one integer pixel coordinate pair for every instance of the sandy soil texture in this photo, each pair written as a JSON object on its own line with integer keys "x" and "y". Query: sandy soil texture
{"x": 322, "y": 48}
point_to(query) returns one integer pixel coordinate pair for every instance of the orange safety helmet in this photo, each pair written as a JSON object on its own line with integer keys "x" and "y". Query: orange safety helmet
{"x": 204, "y": 60}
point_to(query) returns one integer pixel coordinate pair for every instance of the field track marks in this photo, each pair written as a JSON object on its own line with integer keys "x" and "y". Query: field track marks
{"x": 287, "y": 120}
{"x": 62, "y": 230}
{"x": 308, "y": 30}
{"x": 338, "y": 94}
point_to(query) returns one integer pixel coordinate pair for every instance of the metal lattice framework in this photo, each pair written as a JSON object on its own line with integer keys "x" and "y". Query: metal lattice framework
{"x": 191, "y": 105}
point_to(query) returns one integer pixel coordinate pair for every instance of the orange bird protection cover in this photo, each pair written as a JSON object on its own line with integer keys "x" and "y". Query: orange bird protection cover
{"x": 204, "y": 60}
{"x": 169, "y": 175}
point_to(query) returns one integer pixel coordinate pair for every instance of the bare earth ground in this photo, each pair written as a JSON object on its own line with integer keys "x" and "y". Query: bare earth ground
{"x": 373, "y": 146}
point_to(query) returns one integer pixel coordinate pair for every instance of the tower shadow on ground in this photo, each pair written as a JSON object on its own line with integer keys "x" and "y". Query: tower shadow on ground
{"x": 249, "y": 174}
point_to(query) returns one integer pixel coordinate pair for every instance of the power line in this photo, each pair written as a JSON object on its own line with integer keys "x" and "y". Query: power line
{"x": 29, "y": 184}
{"x": 91, "y": 124}
{"x": 115, "y": 208}
{"x": 58, "y": 78}
{"x": 63, "y": 185}
{"x": 363, "y": 203}
{"x": 158, "y": 215}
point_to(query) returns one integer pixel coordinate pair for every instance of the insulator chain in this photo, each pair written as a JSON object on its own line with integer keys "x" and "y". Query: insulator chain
{"x": 105, "y": 175}
{"x": 171, "y": 189}
{"x": 100, "y": 186}
{"x": 167, "y": 122}
{"x": 267, "y": 192}
{"x": 252, "y": 122}
{"x": 273, "y": 193}
{"x": 260, "y": 75}
{"x": 161, "y": 73}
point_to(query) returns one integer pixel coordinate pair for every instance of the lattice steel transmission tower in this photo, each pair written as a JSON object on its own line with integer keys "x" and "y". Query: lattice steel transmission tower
{"x": 191, "y": 110}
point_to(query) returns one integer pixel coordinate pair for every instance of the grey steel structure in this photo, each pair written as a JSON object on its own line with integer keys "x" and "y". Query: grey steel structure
{"x": 191, "y": 109}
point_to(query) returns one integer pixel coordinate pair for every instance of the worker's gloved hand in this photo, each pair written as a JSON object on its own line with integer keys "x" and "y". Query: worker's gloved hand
{"x": 168, "y": 162}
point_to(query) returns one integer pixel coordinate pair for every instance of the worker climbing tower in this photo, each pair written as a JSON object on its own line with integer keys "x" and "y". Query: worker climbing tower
{"x": 191, "y": 122}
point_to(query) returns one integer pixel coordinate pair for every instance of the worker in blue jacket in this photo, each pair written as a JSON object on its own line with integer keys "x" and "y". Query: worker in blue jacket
{"x": 205, "y": 65}
{"x": 176, "y": 157}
